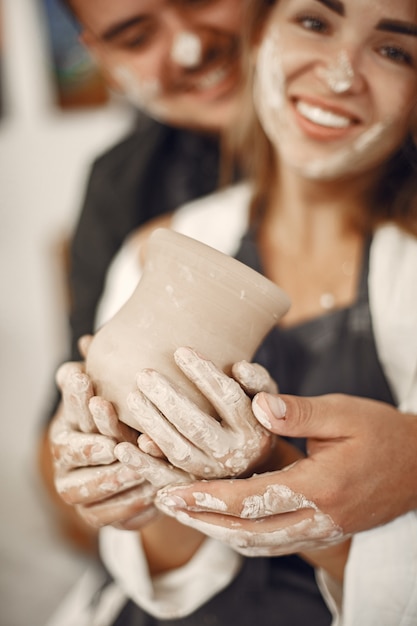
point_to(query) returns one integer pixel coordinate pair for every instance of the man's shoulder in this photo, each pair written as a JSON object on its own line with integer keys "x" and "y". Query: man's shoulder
{"x": 136, "y": 147}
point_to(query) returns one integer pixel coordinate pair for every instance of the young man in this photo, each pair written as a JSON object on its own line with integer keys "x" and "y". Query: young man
{"x": 178, "y": 61}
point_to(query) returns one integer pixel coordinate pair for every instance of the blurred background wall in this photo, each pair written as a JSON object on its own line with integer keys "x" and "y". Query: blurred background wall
{"x": 45, "y": 153}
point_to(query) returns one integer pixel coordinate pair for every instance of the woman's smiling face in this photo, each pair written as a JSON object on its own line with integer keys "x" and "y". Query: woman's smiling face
{"x": 336, "y": 83}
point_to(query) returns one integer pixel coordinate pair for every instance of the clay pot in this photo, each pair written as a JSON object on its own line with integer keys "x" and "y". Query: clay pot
{"x": 189, "y": 295}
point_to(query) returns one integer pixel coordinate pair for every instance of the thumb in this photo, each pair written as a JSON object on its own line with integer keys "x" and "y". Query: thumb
{"x": 321, "y": 417}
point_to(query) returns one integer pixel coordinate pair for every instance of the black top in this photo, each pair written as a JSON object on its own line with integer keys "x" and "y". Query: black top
{"x": 333, "y": 353}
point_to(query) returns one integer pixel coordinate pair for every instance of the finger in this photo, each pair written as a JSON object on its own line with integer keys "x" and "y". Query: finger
{"x": 173, "y": 421}
{"x": 77, "y": 389}
{"x": 74, "y": 449}
{"x": 253, "y": 378}
{"x": 134, "y": 506}
{"x": 173, "y": 444}
{"x": 289, "y": 533}
{"x": 147, "y": 445}
{"x": 253, "y": 498}
{"x": 223, "y": 392}
{"x": 324, "y": 417}
{"x": 107, "y": 422}
{"x": 279, "y": 534}
{"x": 84, "y": 344}
{"x": 157, "y": 471}
{"x": 88, "y": 485}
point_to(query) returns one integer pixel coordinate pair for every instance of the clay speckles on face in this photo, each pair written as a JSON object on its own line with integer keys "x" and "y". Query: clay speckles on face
{"x": 352, "y": 158}
{"x": 339, "y": 75}
{"x": 187, "y": 49}
{"x": 269, "y": 85}
{"x": 143, "y": 93}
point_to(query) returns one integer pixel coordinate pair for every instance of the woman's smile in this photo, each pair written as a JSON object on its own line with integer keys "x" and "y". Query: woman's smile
{"x": 322, "y": 121}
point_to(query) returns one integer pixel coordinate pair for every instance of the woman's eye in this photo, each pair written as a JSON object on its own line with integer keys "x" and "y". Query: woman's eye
{"x": 397, "y": 55}
{"x": 311, "y": 22}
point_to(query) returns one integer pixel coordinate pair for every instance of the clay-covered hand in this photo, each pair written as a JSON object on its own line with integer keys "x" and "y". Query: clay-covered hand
{"x": 87, "y": 474}
{"x": 201, "y": 445}
{"x": 360, "y": 472}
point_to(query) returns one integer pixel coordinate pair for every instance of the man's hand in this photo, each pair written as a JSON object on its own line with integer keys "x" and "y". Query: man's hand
{"x": 87, "y": 475}
{"x": 360, "y": 472}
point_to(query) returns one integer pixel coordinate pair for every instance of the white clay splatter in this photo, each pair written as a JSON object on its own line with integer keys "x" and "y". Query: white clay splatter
{"x": 206, "y": 500}
{"x": 314, "y": 532}
{"x": 275, "y": 499}
{"x": 339, "y": 75}
{"x": 269, "y": 84}
{"x": 351, "y": 158}
{"x": 187, "y": 49}
{"x": 143, "y": 93}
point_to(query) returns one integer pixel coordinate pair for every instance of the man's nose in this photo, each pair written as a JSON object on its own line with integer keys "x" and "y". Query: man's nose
{"x": 185, "y": 45}
{"x": 187, "y": 49}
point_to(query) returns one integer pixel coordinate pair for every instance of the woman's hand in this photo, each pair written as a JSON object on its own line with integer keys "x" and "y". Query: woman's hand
{"x": 199, "y": 444}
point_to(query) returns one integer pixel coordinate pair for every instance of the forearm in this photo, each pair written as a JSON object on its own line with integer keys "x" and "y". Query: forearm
{"x": 168, "y": 544}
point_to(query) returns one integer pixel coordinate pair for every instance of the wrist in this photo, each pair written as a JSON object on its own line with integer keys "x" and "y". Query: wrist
{"x": 168, "y": 544}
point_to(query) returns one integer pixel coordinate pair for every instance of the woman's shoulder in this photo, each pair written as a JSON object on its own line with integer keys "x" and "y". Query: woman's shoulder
{"x": 393, "y": 252}
{"x": 393, "y": 302}
{"x": 218, "y": 220}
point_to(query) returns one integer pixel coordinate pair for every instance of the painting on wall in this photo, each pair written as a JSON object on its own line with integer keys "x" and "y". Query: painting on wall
{"x": 77, "y": 80}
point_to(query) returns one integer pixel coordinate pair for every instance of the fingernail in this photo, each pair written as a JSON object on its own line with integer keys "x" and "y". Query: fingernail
{"x": 267, "y": 406}
{"x": 145, "y": 379}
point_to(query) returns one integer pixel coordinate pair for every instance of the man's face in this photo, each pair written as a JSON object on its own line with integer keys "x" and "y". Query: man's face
{"x": 179, "y": 60}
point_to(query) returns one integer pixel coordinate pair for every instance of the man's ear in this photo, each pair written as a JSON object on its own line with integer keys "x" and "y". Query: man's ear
{"x": 102, "y": 56}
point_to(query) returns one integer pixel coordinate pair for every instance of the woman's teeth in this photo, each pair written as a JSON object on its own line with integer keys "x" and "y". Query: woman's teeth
{"x": 322, "y": 117}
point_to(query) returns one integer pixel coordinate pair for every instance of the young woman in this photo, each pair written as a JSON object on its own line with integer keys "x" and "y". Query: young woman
{"x": 331, "y": 217}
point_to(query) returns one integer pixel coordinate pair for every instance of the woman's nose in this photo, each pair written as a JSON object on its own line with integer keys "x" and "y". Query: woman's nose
{"x": 341, "y": 74}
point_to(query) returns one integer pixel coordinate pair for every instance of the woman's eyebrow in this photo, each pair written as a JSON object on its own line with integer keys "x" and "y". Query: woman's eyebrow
{"x": 334, "y": 5}
{"x": 396, "y": 26}
{"x": 117, "y": 29}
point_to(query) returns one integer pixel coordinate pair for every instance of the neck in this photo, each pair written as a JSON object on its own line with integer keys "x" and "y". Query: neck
{"x": 309, "y": 244}
{"x": 313, "y": 215}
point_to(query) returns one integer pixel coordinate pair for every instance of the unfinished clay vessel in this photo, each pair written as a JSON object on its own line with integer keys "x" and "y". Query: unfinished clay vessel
{"x": 189, "y": 295}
